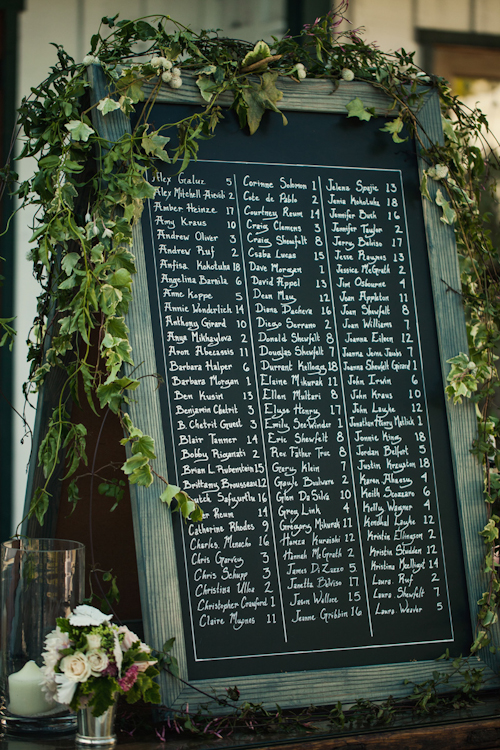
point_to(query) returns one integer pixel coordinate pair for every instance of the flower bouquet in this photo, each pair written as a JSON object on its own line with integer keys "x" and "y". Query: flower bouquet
{"x": 89, "y": 661}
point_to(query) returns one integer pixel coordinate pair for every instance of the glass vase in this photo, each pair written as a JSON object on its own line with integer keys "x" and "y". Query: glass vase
{"x": 41, "y": 580}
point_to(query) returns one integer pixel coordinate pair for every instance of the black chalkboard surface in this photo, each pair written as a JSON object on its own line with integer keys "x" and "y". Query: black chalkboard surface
{"x": 292, "y": 299}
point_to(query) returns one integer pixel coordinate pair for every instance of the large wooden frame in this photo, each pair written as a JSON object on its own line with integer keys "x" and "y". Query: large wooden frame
{"x": 160, "y": 593}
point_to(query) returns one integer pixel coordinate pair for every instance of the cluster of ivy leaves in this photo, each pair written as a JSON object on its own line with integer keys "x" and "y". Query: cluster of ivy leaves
{"x": 88, "y": 194}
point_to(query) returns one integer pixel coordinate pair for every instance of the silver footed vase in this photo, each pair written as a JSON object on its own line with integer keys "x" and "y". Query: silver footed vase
{"x": 96, "y": 731}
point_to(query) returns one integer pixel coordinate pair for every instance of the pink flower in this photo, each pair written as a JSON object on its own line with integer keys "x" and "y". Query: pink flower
{"x": 143, "y": 665}
{"x": 130, "y": 677}
{"x": 128, "y": 637}
{"x": 110, "y": 671}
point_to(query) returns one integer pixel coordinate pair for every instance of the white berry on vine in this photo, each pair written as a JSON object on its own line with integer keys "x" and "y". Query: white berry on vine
{"x": 176, "y": 82}
{"x": 301, "y": 71}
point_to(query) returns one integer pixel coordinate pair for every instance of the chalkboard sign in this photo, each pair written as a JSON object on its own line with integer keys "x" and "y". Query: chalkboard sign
{"x": 293, "y": 297}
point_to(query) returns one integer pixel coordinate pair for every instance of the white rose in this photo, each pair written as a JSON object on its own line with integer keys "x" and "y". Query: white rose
{"x": 347, "y": 74}
{"x": 75, "y": 667}
{"x": 176, "y": 82}
{"x": 98, "y": 661}
{"x": 94, "y": 641}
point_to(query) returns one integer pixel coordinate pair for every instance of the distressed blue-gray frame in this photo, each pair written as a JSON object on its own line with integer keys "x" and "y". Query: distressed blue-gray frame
{"x": 160, "y": 594}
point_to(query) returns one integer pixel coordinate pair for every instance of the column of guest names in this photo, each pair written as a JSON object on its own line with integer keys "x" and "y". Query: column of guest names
{"x": 297, "y": 405}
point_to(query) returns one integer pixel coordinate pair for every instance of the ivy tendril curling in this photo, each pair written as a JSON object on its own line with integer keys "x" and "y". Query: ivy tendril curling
{"x": 89, "y": 193}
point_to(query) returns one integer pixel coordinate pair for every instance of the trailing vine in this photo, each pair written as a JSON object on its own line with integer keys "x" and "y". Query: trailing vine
{"x": 454, "y": 690}
{"x": 88, "y": 194}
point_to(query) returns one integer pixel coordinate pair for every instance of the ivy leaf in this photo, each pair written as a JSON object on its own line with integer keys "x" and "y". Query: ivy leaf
{"x": 196, "y": 514}
{"x": 449, "y": 130}
{"x": 356, "y": 108}
{"x": 115, "y": 490}
{"x": 111, "y": 395}
{"x": 79, "y": 130}
{"x": 145, "y": 31}
{"x": 120, "y": 278}
{"x": 260, "y": 98}
{"x": 186, "y": 505}
{"x": 39, "y": 504}
{"x": 168, "y": 645}
{"x": 75, "y": 446}
{"x": 154, "y": 145}
{"x": 449, "y": 214}
{"x": 117, "y": 328}
{"x": 69, "y": 262}
{"x": 108, "y": 105}
{"x": 207, "y": 87}
{"x": 395, "y": 126}
{"x": 109, "y": 299}
{"x": 490, "y": 531}
{"x": 146, "y": 445}
{"x": 169, "y": 493}
{"x": 9, "y": 332}
{"x": 259, "y": 52}
{"x": 131, "y": 86}
{"x": 134, "y": 462}
{"x": 49, "y": 162}
{"x": 142, "y": 476}
{"x": 72, "y": 167}
{"x": 207, "y": 70}
{"x": 490, "y": 618}
{"x": 423, "y": 187}
{"x": 73, "y": 494}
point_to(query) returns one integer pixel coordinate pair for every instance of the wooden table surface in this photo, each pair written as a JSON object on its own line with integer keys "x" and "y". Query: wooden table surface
{"x": 477, "y": 728}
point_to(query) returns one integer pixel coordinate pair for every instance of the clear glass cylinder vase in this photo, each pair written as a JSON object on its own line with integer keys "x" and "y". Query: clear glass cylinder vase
{"x": 41, "y": 580}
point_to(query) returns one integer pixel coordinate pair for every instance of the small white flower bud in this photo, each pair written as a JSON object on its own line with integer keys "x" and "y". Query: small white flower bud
{"x": 176, "y": 82}
{"x": 166, "y": 64}
{"x": 347, "y": 74}
{"x": 166, "y": 76}
{"x": 156, "y": 61}
{"x": 90, "y": 60}
{"x": 176, "y": 72}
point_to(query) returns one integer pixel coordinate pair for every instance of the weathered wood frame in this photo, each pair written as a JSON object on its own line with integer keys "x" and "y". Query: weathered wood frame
{"x": 160, "y": 594}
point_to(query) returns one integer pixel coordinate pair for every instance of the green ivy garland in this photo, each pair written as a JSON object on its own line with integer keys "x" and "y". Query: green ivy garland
{"x": 88, "y": 194}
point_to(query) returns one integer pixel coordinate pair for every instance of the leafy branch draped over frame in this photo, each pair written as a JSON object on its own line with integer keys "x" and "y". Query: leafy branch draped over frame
{"x": 89, "y": 193}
